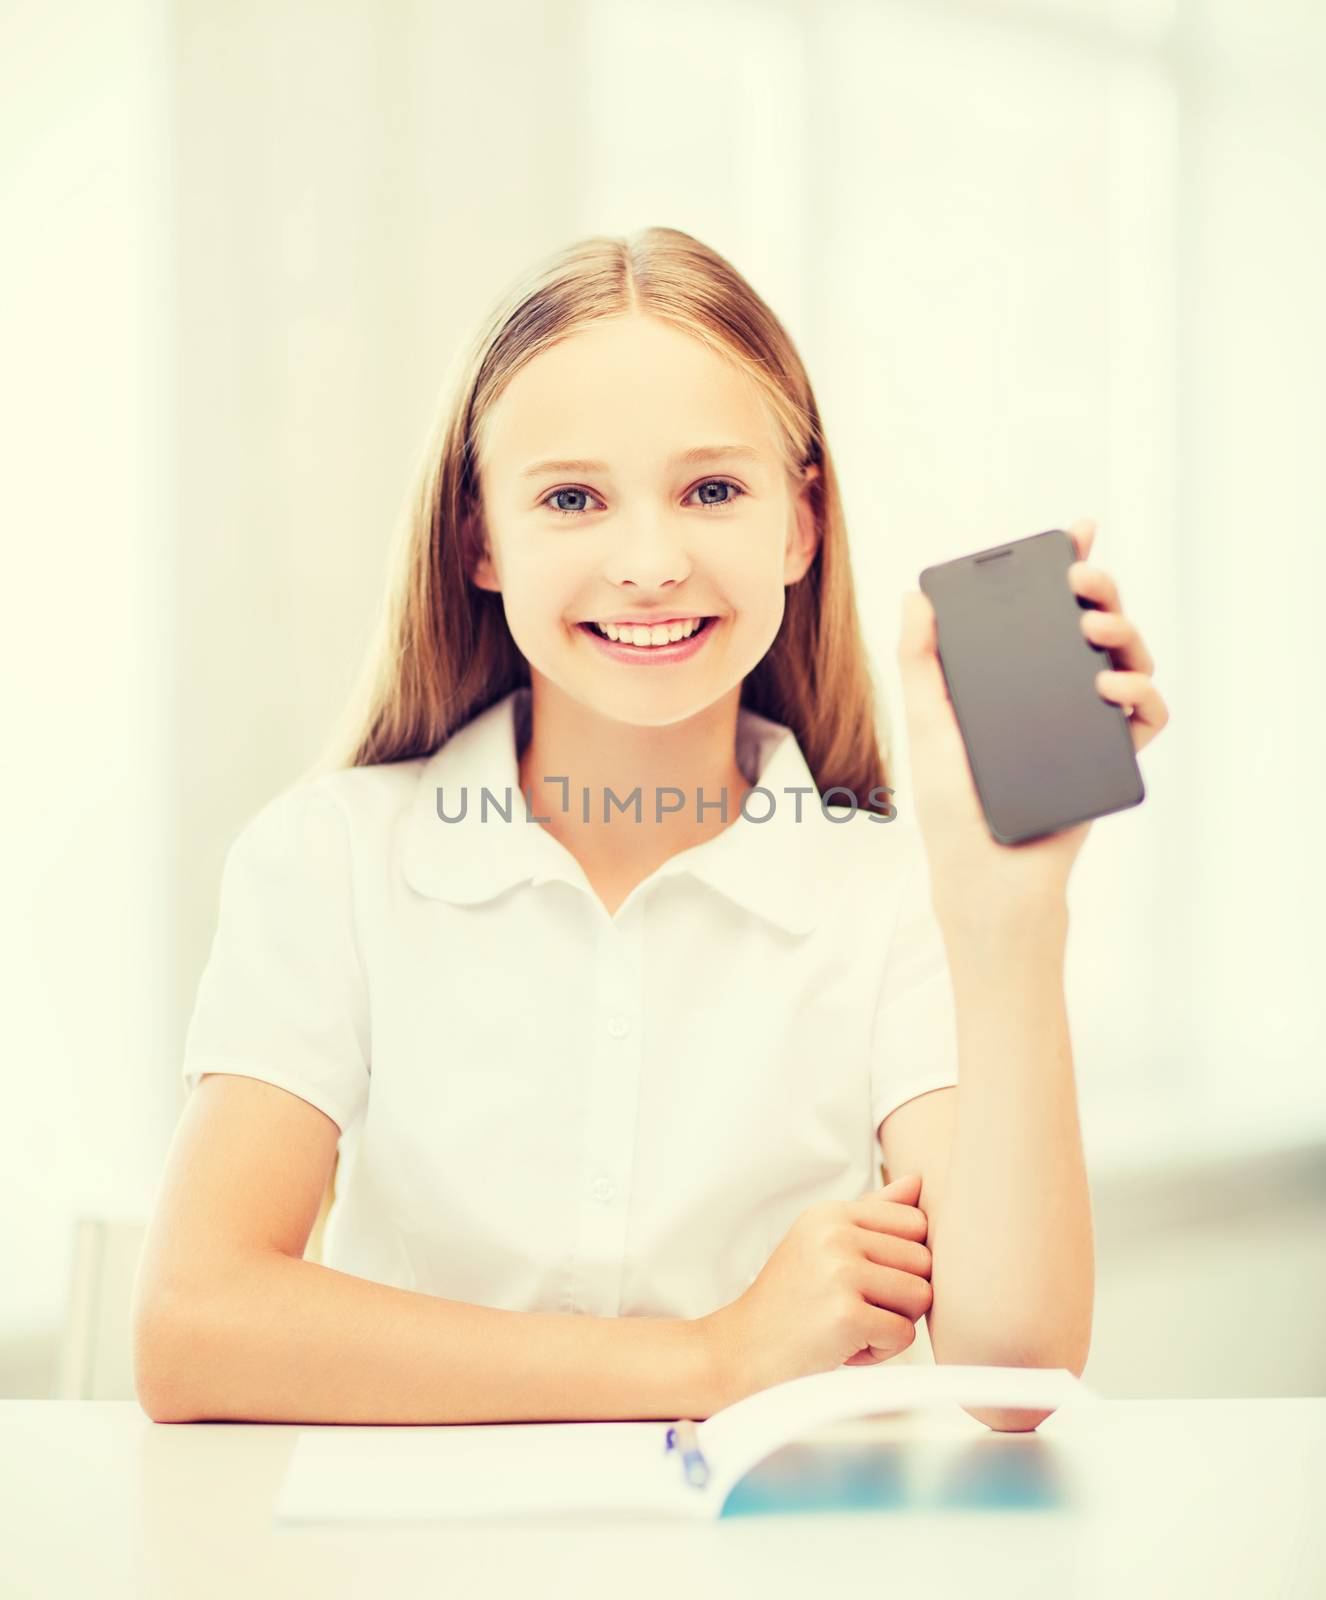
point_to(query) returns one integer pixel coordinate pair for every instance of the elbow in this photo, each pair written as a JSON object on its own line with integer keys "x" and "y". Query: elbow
{"x": 161, "y": 1367}
{"x": 1006, "y": 1420}
{"x": 162, "y": 1404}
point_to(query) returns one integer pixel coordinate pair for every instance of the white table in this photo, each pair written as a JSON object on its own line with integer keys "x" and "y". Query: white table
{"x": 1191, "y": 1498}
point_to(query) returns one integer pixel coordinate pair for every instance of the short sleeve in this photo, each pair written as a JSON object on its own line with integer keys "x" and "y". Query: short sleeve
{"x": 914, "y": 1045}
{"x": 283, "y": 997}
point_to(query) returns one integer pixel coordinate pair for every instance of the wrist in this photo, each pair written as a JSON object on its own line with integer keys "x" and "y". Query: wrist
{"x": 976, "y": 920}
{"x": 715, "y": 1338}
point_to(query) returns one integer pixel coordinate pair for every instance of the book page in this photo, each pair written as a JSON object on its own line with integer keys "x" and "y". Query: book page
{"x": 349, "y": 1473}
{"x": 404, "y": 1473}
{"x": 735, "y": 1439}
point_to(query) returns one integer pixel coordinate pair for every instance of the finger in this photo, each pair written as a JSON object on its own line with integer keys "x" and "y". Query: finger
{"x": 872, "y": 1355}
{"x": 893, "y": 1290}
{"x": 1083, "y": 534}
{"x": 918, "y": 646}
{"x": 884, "y": 1333}
{"x": 905, "y": 1191}
{"x": 1120, "y": 637}
{"x": 1094, "y": 583}
{"x": 916, "y": 632}
{"x": 888, "y": 1250}
{"x": 886, "y": 1216}
{"x": 1134, "y": 691}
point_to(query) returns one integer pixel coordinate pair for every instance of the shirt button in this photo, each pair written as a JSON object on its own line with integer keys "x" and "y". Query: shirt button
{"x": 602, "y": 1189}
{"x": 618, "y": 1027}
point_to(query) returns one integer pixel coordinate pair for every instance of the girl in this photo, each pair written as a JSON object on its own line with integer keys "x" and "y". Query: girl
{"x": 602, "y": 952}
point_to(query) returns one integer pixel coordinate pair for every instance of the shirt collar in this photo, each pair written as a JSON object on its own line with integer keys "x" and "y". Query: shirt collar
{"x": 768, "y": 867}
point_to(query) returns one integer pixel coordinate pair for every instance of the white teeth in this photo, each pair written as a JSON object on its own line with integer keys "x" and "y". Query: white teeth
{"x": 638, "y": 634}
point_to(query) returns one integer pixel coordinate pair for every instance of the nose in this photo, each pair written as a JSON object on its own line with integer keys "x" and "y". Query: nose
{"x": 647, "y": 556}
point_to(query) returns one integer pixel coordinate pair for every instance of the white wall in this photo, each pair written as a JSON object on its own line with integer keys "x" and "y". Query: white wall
{"x": 89, "y": 635}
{"x": 1252, "y": 349}
{"x": 1043, "y": 260}
{"x": 357, "y": 182}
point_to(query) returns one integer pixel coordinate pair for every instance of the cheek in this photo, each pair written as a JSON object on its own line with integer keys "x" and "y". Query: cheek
{"x": 751, "y": 580}
{"x": 541, "y": 580}
{"x": 753, "y": 555}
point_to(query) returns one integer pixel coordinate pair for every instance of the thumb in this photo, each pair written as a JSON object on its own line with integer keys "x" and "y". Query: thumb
{"x": 910, "y": 1184}
{"x": 918, "y": 648}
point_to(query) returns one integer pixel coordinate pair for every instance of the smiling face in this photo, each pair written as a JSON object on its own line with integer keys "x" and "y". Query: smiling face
{"x": 678, "y": 506}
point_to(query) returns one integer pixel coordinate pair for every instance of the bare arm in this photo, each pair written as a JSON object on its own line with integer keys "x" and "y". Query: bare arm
{"x": 231, "y": 1323}
{"x": 285, "y": 1340}
{"x": 1005, "y": 1186}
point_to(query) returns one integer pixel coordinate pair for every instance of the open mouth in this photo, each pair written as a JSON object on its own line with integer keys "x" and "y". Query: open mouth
{"x": 644, "y": 649}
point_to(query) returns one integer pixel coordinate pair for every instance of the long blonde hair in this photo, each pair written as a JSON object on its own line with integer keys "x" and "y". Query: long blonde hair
{"x": 442, "y": 651}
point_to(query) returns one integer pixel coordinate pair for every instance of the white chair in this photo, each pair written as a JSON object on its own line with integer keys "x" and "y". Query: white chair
{"x": 96, "y": 1353}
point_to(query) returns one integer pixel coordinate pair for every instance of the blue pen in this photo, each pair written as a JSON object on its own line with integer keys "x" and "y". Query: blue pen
{"x": 682, "y": 1436}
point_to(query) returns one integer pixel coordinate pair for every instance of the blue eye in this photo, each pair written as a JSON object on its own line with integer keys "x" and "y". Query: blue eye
{"x": 562, "y": 510}
{"x": 717, "y": 505}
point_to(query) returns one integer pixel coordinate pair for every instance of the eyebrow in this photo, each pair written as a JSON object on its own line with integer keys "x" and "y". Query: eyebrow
{"x": 699, "y": 452}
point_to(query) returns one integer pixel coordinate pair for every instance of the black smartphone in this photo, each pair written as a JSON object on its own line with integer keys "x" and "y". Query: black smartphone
{"x": 1046, "y": 750}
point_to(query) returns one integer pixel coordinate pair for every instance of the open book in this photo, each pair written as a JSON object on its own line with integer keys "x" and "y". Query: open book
{"x": 414, "y": 1471}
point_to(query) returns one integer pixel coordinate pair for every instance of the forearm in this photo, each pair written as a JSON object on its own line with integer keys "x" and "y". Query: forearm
{"x": 287, "y": 1340}
{"x": 1010, "y": 1235}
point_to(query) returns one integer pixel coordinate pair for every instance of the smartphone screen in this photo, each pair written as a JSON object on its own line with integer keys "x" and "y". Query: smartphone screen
{"x": 1046, "y": 750}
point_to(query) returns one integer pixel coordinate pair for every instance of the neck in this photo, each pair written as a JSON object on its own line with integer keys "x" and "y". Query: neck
{"x": 594, "y": 753}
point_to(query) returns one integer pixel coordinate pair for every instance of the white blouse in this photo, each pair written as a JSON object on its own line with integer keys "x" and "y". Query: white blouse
{"x": 547, "y": 1108}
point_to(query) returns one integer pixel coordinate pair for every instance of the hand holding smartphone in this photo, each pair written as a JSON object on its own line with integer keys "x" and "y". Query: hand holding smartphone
{"x": 1046, "y": 750}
